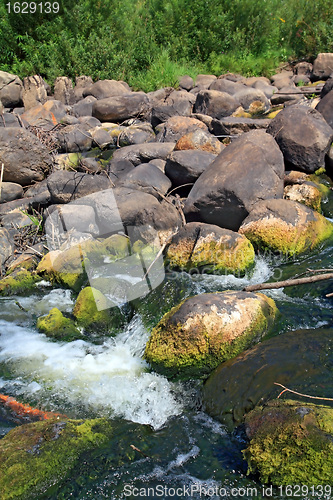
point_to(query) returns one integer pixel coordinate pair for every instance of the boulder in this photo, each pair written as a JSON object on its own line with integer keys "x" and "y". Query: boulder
{"x": 225, "y": 85}
{"x": 24, "y": 157}
{"x": 56, "y": 325}
{"x": 161, "y": 112}
{"x": 93, "y": 311}
{"x": 209, "y": 248}
{"x": 17, "y": 282}
{"x": 10, "y": 191}
{"x": 306, "y": 193}
{"x": 227, "y": 398}
{"x": 268, "y": 90}
{"x": 117, "y": 169}
{"x": 74, "y": 138}
{"x": 63, "y": 90}
{"x": 322, "y": 67}
{"x": 285, "y": 226}
{"x": 84, "y": 106}
{"x": 136, "y": 134}
{"x": 291, "y": 443}
{"x": 147, "y": 178}
{"x": 214, "y": 103}
{"x": 303, "y": 69}
{"x": 303, "y": 136}
{"x": 186, "y": 82}
{"x": 142, "y": 153}
{"x": 10, "y": 90}
{"x": 81, "y": 82}
{"x": 202, "y": 331}
{"x": 327, "y": 87}
{"x": 58, "y": 109}
{"x": 252, "y": 100}
{"x": 184, "y": 167}
{"x": 122, "y": 207}
{"x": 34, "y": 91}
{"x": 177, "y": 126}
{"x": 282, "y": 79}
{"x": 40, "y": 117}
{"x": 325, "y": 107}
{"x": 225, "y": 193}
{"x": 9, "y": 119}
{"x": 286, "y": 95}
{"x": 120, "y": 107}
{"x": 233, "y": 125}
{"x": 65, "y": 186}
{"x": 6, "y": 246}
{"x": 103, "y": 89}
{"x": 204, "y": 80}
{"x": 200, "y": 140}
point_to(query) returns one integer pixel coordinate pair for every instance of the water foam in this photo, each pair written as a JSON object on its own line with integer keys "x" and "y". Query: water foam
{"x": 111, "y": 378}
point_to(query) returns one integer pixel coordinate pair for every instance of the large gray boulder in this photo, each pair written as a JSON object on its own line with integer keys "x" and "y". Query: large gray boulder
{"x": 63, "y": 90}
{"x": 143, "y": 153}
{"x": 177, "y": 126}
{"x": 183, "y": 167}
{"x": 214, "y": 103}
{"x": 148, "y": 178}
{"x": 65, "y": 186}
{"x": 10, "y": 90}
{"x": 24, "y": 157}
{"x": 325, "y": 107}
{"x": 304, "y": 137}
{"x": 104, "y": 88}
{"x": 250, "y": 169}
{"x": 322, "y": 66}
{"x": 120, "y": 107}
{"x": 75, "y": 138}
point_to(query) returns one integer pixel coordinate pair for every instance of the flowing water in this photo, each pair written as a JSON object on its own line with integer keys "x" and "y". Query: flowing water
{"x": 190, "y": 455}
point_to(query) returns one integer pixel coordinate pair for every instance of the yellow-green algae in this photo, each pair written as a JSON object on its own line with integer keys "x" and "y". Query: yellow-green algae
{"x": 57, "y": 326}
{"x": 180, "y": 352}
{"x": 276, "y": 235}
{"x": 19, "y": 281}
{"x": 214, "y": 256}
{"x": 34, "y": 457}
{"x": 291, "y": 442}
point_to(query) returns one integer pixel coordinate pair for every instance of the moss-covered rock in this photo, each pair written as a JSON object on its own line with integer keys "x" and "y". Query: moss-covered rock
{"x": 35, "y": 456}
{"x": 307, "y": 193}
{"x": 93, "y": 311}
{"x": 19, "y": 281}
{"x": 291, "y": 442}
{"x": 202, "y": 331}
{"x": 285, "y": 226}
{"x": 210, "y": 248}
{"x": 56, "y": 325}
{"x": 64, "y": 267}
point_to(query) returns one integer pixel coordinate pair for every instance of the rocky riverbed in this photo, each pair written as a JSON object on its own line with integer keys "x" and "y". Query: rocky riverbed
{"x": 130, "y": 224}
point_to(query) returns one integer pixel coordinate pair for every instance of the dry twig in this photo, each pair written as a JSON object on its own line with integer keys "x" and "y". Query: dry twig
{"x": 285, "y": 389}
{"x": 290, "y": 282}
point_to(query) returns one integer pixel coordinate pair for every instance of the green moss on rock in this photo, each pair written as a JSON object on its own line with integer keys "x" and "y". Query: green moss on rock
{"x": 291, "y": 442}
{"x": 203, "y": 331}
{"x": 34, "y": 457}
{"x": 19, "y": 281}
{"x": 93, "y": 311}
{"x": 57, "y": 326}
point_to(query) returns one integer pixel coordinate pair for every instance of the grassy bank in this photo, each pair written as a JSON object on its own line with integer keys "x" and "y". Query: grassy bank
{"x": 149, "y": 43}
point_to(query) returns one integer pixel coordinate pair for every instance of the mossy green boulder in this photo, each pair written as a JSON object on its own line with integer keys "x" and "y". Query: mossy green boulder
{"x": 286, "y": 227}
{"x": 291, "y": 442}
{"x": 57, "y": 326}
{"x": 93, "y": 311}
{"x": 19, "y": 281}
{"x": 211, "y": 249}
{"x": 34, "y": 457}
{"x": 205, "y": 330}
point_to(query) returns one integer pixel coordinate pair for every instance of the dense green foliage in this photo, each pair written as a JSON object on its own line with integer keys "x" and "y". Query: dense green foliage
{"x": 149, "y": 43}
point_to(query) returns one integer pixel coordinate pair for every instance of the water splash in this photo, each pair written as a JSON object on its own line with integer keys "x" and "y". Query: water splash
{"x": 110, "y": 378}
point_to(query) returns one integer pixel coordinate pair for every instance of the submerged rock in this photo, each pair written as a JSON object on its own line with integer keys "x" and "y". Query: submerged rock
{"x": 300, "y": 359}
{"x": 291, "y": 443}
{"x": 197, "y": 335}
{"x": 285, "y": 226}
{"x": 57, "y": 326}
{"x": 210, "y": 248}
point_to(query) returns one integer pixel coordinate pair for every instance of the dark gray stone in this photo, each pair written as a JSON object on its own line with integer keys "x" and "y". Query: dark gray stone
{"x": 214, "y": 103}
{"x": 184, "y": 167}
{"x": 67, "y": 186}
{"x": 120, "y": 107}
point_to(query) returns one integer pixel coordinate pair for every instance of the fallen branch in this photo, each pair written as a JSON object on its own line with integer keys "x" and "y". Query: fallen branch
{"x": 290, "y": 282}
{"x": 161, "y": 250}
{"x": 285, "y": 389}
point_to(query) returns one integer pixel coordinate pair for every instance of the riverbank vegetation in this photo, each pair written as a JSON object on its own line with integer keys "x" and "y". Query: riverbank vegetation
{"x": 150, "y": 43}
